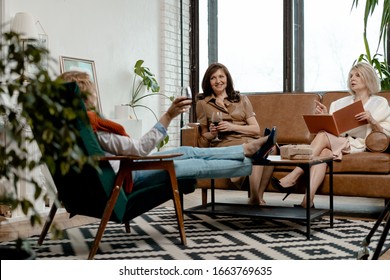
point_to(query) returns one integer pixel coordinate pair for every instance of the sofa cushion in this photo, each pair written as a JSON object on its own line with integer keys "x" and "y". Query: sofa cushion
{"x": 285, "y": 110}
{"x": 365, "y": 162}
{"x": 329, "y": 97}
{"x": 377, "y": 141}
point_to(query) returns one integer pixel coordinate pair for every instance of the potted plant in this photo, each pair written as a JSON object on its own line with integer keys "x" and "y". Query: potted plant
{"x": 145, "y": 85}
{"x": 29, "y": 99}
{"x": 378, "y": 61}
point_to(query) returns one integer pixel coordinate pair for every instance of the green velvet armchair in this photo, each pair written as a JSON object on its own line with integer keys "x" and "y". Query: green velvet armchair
{"x": 97, "y": 191}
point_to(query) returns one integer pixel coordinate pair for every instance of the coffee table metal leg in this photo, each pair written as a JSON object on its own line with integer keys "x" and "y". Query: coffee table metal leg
{"x": 331, "y": 214}
{"x": 306, "y": 169}
{"x": 212, "y": 195}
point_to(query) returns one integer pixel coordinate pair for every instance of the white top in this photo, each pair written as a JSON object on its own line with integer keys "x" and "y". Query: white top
{"x": 380, "y": 111}
{"x": 115, "y": 144}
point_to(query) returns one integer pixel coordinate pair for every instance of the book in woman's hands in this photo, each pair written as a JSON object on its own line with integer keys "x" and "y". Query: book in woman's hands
{"x": 339, "y": 122}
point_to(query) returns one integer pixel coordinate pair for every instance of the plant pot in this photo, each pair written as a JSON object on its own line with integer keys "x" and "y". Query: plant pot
{"x": 13, "y": 253}
{"x": 133, "y": 127}
{"x": 121, "y": 112}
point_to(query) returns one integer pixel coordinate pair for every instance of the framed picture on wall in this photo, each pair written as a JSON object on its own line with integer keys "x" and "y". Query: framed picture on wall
{"x": 83, "y": 65}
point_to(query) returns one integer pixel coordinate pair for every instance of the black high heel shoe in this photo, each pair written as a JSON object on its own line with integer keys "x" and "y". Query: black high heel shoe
{"x": 267, "y": 131}
{"x": 266, "y": 148}
{"x": 277, "y": 186}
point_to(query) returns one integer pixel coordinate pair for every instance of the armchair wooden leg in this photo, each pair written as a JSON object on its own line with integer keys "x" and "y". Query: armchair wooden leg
{"x": 47, "y": 224}
{"x": 168, "y": 166}
{"x": 127, "y": 227}
{"x": 176, "y": 202}
{"x": 103, "y": 223}
{"x": 204, "y": 197}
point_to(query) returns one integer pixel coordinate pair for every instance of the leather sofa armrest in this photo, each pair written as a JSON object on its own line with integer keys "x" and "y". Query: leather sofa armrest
{"x": 189, "y": 136}
{"x": 377, "y": 141}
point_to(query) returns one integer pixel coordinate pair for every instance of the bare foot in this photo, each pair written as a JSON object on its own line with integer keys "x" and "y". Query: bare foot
{"x": 256, "y": 201}
{"x": 303, "y": 204}
{"x": 253, "y": 201}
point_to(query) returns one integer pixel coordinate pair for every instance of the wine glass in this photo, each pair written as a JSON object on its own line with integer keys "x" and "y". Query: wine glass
{"x": 216, "y": 117}
{"x": 185, "y": 91}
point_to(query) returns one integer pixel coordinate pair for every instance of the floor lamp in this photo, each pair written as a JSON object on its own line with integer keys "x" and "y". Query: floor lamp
{"x": 24, "y": 24}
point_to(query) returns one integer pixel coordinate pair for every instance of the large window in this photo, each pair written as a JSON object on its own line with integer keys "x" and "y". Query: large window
{"x": 247, "y": 36}
{"x": 250, "y": 42}
{"x": 333, "y": 41}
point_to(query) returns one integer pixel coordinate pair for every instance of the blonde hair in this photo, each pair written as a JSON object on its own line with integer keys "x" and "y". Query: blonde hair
{"x": 85, "y": 84}
{"x": 368, "y": 75}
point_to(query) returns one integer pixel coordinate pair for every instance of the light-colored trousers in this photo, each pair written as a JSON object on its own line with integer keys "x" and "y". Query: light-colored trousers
{"x": 199, "y": 163}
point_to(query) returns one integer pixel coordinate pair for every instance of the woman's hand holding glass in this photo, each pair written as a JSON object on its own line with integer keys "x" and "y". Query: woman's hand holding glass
{"x": 216, "y": 117}
{"x": 178, "y": 106}
{"x": 187, "y": 93}
{"x": 320, "y": 108}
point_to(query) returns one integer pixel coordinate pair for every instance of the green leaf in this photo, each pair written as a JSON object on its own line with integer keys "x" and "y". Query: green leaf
{"x": 144, "y": 85}
{"x": 163, "y": 142}
{"x": 40, "y": 106}
{"x": 377, "y": 60}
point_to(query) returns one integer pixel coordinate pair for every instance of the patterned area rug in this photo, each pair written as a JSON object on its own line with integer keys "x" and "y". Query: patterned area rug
{"x": 155, "y": 236}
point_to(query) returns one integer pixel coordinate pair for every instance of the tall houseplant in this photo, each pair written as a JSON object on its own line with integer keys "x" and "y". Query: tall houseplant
{"x": 145, "y": 85}
{"x": 29, "y": 98}
{"x": 378, "y": 61}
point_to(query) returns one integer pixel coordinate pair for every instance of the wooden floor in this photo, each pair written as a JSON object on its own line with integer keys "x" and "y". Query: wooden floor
{"x": 356, "y": 208}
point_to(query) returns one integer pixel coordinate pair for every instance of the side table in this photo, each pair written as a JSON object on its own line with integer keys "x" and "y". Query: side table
{"x": 275, "y": 212}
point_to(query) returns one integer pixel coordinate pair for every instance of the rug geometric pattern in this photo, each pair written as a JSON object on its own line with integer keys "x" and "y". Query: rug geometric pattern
{"x": 154, "y": 236}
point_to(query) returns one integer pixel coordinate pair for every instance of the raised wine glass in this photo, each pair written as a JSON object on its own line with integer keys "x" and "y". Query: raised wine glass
{"x": 216, "y": 117}
{"x": 185, "y": 91}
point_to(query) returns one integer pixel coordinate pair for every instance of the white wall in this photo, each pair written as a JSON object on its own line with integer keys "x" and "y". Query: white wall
{"x": 115, "y": 34}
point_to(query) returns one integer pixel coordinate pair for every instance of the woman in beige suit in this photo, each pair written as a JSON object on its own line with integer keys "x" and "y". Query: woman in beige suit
{"x": 238, "y": 125}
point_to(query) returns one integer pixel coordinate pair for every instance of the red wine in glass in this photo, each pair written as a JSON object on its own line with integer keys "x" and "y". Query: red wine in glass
{"x": 216, "y": 117}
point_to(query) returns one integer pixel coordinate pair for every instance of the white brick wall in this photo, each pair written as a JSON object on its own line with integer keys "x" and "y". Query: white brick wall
{"x": 170, "y": 75}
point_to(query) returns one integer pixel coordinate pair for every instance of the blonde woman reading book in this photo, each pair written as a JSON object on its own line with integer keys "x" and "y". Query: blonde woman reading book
{"x": 363, "y": 84}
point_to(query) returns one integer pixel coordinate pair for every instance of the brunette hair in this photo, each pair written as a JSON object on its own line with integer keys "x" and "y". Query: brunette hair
{"x": 232, "y": 94}
{"x": 368, "y": 75}
{"x": 85, "y": 84}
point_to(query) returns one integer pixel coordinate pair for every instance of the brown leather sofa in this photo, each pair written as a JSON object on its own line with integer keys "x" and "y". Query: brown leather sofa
{"x": 365, "y": 174}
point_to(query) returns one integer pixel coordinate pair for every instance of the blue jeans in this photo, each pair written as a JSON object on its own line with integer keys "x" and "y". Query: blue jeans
{"x": 199, "y": 163}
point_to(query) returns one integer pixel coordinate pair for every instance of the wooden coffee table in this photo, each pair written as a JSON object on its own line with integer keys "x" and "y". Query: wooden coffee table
{"x": 276, "y": 212}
